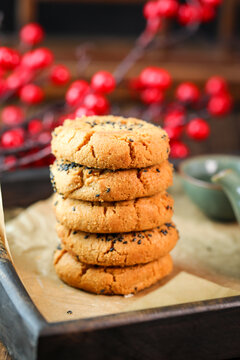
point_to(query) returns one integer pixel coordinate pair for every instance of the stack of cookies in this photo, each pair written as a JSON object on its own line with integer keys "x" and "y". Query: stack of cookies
{"x": 114, "y": 214}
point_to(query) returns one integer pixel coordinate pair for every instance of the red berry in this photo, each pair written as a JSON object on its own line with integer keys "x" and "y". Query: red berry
{"x": 103, "y": 82}
{"x": 27, "y": 60}
{"x": 167, "y": 8}
{"x": 189, "y": 14}
{"x": 83, "y": 111}
{"x": 37, "y": 59}
{"x": 179, "y": 150}
{"x": 12, "y": 138}
{"x": 31, "y": 94}
{"x": 187, "y": 92}
{"x": 208, "y": 13}
{"x": 97, "y": 103}
{"x": 42, "y": 58}
{"x": 12, "y": 115}
{"x": 216, "y": 85}
{"x": 174, "y": 118}
{"x": 150, "y": 10}
{"x": 76, "y": 92}
{"x": 18, "y": 78}
{"x": 152, "y": 96}
{"x": 32, "y": 34}
{"x": 60, "y": 75}
{"x": 9, "y": 58}
{"x": 35, "y": 126}
{"x": 173, "y": 132}
{"x": 212, "y": 2}
{"x": 220, "y": 105}
{"x": 154, "y": 77}
{"x": 198, "y": 129}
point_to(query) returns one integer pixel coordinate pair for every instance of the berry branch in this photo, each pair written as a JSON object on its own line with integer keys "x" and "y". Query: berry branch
{"x": 25, "y": 138}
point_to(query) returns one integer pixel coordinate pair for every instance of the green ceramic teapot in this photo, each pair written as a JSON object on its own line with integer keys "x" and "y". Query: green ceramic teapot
{"x": 213, "y": 184}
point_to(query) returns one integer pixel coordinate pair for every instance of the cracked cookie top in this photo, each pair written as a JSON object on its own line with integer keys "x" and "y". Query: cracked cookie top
{"x": 110, "y": 142}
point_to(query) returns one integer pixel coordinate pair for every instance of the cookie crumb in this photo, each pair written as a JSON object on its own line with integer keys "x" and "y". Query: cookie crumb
{"x": 128, "y": 296}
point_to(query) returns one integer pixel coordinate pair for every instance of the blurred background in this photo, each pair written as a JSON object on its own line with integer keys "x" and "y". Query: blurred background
{"x": 91, "y": 35}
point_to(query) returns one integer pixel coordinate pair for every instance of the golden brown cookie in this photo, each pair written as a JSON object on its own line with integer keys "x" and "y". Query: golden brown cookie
{"x": 121, "y": 249}
{"x": 81, "y": 183}
{"x": 110, "y": 142}
{"x": 112, "y": 280}
{"x": 111, "y": 217}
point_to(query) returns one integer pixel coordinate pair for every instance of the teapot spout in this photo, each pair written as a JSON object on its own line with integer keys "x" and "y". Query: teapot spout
{"x": 230, "y": 182}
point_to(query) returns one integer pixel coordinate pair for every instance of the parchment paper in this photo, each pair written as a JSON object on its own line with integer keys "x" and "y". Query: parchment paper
{"x": 207, "y": 264}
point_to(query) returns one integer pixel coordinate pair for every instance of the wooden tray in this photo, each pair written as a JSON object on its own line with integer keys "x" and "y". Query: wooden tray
{"x": 200, "y": 330}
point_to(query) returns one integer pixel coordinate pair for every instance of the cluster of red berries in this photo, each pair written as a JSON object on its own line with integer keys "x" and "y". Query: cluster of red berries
{"x": 89, "y": 99}
{"x": 22, "y": 73}
{"x": 152, "y": 84}
{"x": 198, "y": 11}
{"x": 176, "y": 117}
{"x": 19, "y": 74}
{"x": 20, "y": 78}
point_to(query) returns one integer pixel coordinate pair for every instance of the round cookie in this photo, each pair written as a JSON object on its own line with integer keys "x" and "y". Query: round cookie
{"x": 110, "y": 142}
{"x": 122, "y": 249}
{"x": 111, "y": 217}
{"x": 101, "y": 280}
{"x": 81, "y": 183}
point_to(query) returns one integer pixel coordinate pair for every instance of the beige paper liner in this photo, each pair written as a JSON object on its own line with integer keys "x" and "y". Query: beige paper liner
{"x": 207, "y": 264}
